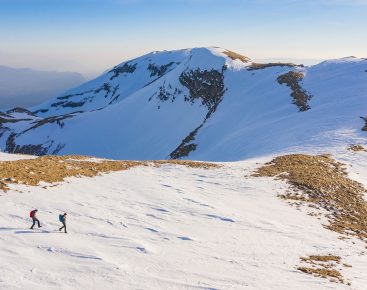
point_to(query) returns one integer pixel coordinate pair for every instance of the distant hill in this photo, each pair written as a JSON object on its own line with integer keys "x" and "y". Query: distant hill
{"x": 26, "y": 87}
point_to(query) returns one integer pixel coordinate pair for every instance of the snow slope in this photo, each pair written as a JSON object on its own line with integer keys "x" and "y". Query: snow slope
{"x": 201, "y": 103}
{"x": 169, "y": 228}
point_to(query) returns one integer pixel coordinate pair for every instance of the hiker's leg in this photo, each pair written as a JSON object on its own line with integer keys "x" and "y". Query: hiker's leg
{"x": 65, "y": 227}
{"x": 38, "y": 222}
{"x": 34, "y": 222}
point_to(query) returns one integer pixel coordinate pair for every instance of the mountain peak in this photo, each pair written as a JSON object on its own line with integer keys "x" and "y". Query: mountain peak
{"x": 205, "y": 103}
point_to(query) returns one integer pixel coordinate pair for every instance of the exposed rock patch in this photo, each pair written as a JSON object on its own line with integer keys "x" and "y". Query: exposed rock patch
{"x": 167, "y": 93}
{"x": 159, "y": 71}
{"x": 37, "y": 149}
{"x": 30, "y": 149}
{"x": 300, "y": 96}
{"x": 20, "y": 110}
{"x": 107, "y": 88}
{"x": 208, "y": 86}
{"x": 10, "y": 119}
{"x": 186, "y": 147}
{"x": 50, "y": 120}
{"x": 52, "y": 169}
{"x": 127, "y": 68}
{"x": 365, "y": 123}
{"x": 357, "y": 148}
{"x": 40, "y": 111}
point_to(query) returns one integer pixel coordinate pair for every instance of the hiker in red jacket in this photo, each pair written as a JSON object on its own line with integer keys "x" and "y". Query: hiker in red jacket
{"x": 33, "y": 216}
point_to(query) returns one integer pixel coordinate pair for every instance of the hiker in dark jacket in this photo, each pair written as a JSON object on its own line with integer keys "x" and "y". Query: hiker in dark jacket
{"x": 62, "y": 218}
{"x": 33, "y": 216}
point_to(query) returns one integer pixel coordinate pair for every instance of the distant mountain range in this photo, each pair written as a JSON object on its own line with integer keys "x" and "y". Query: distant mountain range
{"x": 200, "y": 103}
{"x": 27, "y": 87}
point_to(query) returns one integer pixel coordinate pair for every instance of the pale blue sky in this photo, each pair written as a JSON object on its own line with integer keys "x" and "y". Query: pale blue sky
{"x": 90, "y": 36}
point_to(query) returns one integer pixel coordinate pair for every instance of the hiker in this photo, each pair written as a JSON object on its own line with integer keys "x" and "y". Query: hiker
{"x": 62, "y": 218}
{"x": 33, "y": 216}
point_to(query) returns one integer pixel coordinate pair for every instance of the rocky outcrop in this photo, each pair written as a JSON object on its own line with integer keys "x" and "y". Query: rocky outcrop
{"x": 126, "y": 68}
{"x": 159, "y": 71}
{"x": 365, "y": 123}
{"x": 50, "y": 120}
{"x": 208, "y": 86}
{"x": 66, "y": 102}
{"x": 204, "y": 85}
{"x": 20, "y": 110}
{"x": 37, "y": 149}
{"x": 300, "y": 96}
{"x": 31, "y": 149}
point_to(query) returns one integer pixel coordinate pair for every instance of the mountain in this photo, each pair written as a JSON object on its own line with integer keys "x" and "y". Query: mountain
{"x": 28, "y": 87}
{"x": 200, "y": 103}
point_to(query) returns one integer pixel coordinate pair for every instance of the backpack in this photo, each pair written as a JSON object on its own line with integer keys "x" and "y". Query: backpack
{"x": 61, "y": 218}
{"x": 31, "y": 214}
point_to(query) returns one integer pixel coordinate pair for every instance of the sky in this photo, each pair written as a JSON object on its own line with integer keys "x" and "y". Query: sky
{"x": 90, "y": 36}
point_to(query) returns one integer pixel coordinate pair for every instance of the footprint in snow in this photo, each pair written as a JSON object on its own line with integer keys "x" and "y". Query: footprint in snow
{"x": 184, "y": 238}
{"x": 221, "y": 218}
{"x": 141, "y": 249}
{"x": 152, "y": 230}
{"x": 153, "y": 216}
{"x": 160, "y": 209}
{"x": 201, "y": 204}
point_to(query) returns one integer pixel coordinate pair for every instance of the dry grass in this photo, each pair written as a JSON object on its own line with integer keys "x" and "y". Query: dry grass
{"x": 257, "y": 66}
{"x": 322, "y": 266}
{"x": 357, "y": 148}
{"x": 52, "y": 169}
{"x": 322, "y": 182}
{"x": 318, "y": 258}
{"x": 234, "y": 56}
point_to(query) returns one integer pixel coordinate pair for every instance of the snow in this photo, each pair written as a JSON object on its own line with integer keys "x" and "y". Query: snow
{"x": 256, "y": 116}
{"x": 169, "y": 228}
{"x": 13, "y": 157}
{"x": 174, "y": 227}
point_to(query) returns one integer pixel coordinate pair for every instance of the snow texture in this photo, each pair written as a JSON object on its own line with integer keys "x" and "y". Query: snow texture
{"x": 169, "y": 228}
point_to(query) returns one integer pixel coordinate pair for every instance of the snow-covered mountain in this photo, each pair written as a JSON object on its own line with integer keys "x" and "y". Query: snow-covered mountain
{"x": 201, "y": 103}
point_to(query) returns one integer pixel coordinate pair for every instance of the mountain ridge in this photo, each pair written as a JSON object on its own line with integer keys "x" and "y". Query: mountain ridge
{"x": 200, "y": 103}
{"x": 27, "y": 87}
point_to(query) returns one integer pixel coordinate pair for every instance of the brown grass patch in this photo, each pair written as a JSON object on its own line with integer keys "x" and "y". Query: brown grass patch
{"x": 357, "y": 148}
{"x": 56, "y": 168}
{"x": 257, "y": 66}
{"x": 322, "y": 182}
{"x": 318, "y": 258}
{"x": 234, "y": 56}
{"x": 322, "y": 266}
